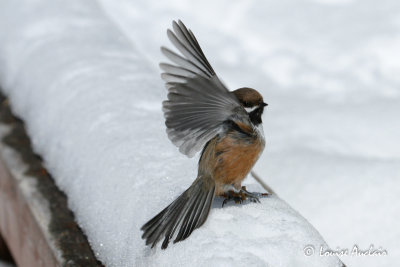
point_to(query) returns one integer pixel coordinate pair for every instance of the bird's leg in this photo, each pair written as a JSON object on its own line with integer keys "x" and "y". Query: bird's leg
{"x": 242, "y": 194}
{"x": 232, "y": 195}
{"x": 252, "y": 196}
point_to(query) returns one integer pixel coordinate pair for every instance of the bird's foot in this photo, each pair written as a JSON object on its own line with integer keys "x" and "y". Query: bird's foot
{"x": 241, "y": 195}
{"x": 253, "y": 196}
{"x": 232, "y": 195}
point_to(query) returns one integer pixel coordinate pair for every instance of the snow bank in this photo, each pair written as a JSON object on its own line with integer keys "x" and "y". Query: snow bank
{"x": 91, "y": 104}
{"x": 329, "y": 70}
{"x": 91, "y": 97}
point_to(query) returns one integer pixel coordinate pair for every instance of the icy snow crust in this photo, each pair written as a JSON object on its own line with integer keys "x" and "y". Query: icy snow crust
{"x": 84, "y": 78}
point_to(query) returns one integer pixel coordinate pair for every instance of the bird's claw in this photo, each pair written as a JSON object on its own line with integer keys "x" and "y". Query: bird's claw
{"x": 241, "y": 195}
{"x": 231, "y": 195}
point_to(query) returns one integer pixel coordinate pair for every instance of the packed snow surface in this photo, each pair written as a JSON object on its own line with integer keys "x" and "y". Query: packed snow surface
{"x": 84, "y": 77}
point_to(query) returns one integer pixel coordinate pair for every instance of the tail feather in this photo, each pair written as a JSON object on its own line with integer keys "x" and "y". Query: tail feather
{"x": 188, "y": 212}
{"x": 187, "y": 219}
{"x": 162, "y": 221}
{"x": 150, "y": 226}
{"x": 162, "y": 224}
{"x": 200, "y": 220}
{"x": 192, "y": 218}
{"x": 173, "y": 227}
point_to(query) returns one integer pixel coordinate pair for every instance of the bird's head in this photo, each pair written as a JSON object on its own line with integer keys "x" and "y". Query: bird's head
{"x": 253, "y": 103}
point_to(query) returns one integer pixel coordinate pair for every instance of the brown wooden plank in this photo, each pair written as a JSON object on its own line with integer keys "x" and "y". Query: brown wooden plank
{"x": 19, "y": 228}
{"x": 35, "y": 221}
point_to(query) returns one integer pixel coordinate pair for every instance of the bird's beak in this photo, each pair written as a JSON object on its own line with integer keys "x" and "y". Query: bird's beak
{"x": 264, "y": 104}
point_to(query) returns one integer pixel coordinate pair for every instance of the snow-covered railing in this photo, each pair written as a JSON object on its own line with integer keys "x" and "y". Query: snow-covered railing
{"x": 35, "y": 221}
{"x": 91, "y": 105}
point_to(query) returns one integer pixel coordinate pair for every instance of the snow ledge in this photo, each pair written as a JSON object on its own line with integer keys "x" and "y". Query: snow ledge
{"x": 91, "y": 104}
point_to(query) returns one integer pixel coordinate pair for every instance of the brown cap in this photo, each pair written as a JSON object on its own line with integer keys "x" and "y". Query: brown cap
{"x": 249, "y": 97}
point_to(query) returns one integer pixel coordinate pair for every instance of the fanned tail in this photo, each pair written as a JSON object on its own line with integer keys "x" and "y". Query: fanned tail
{"x": 188, "y": 212}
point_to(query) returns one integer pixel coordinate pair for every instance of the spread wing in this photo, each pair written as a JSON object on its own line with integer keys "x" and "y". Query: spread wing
{"x": 198, "y": 103}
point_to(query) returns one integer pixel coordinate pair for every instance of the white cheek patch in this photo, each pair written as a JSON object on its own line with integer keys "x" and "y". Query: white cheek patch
{"x": 251, "y": 109}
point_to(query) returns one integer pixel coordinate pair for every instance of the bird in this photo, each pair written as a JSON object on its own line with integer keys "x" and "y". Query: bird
{"x": 202, "y": 114}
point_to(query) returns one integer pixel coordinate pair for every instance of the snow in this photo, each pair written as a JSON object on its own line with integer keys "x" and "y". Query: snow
{"x": 85, "y": 79}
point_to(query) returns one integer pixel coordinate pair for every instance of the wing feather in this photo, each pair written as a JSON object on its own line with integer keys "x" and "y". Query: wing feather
{"x": 198, "y": 102}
